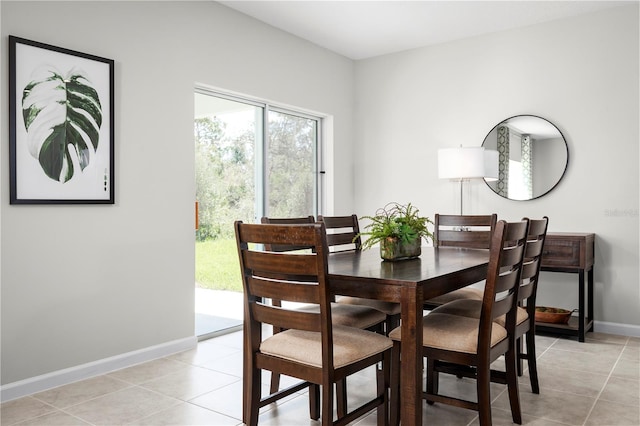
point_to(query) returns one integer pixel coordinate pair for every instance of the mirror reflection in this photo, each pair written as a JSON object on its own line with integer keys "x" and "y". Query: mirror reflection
{"x": 533, "y": 157}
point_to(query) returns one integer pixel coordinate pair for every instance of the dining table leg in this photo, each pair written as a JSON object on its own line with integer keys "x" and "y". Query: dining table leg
{"x": 411, "y": 356}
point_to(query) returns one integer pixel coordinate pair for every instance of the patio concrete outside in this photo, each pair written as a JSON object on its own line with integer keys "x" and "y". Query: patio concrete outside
{"x": 217, "y": 312}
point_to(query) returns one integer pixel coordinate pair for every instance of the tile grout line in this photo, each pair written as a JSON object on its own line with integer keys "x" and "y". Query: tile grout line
{"x": 597, "y": 398}
{"x": 35, "y": 417}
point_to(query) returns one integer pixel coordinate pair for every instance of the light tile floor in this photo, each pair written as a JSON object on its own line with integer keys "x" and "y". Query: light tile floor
{"x": 591, "y": 383}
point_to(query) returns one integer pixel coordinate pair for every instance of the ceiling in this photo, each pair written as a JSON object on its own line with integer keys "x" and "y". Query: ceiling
{"x": 536, "y": 127}
{"x": 364, "y": 29}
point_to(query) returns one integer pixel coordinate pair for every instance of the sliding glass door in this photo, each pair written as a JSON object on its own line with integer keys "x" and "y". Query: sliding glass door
{"x": 252, "y": 160}
{"x": 291, "y": 166}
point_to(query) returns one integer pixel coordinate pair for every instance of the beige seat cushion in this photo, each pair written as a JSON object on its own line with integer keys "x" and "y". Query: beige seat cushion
{"x": 389, "y": 308}
{"x": 351, "y": 315}
{"x": 471, "y": 308}
{"x": 462, "y": 293}
{"x": 349, "y": 345}
{"x": 453, "y": 332}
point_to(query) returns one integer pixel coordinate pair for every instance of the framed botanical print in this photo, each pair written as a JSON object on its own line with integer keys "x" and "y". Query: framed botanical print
{"x": 61, "y": 125}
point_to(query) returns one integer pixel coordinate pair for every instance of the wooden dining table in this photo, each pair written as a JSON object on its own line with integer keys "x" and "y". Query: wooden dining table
{"x": 410, "y": 282}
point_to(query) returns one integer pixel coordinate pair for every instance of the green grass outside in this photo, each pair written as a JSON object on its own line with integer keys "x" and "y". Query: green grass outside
{"x": 217, "y": 265}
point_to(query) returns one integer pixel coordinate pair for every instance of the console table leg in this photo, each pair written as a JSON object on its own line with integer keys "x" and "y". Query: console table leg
{"x": 581, "y": 313}
{"x": 590, "y": 299}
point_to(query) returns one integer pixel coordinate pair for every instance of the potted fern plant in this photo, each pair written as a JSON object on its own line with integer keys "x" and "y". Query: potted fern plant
{"x": 399, "y": 229}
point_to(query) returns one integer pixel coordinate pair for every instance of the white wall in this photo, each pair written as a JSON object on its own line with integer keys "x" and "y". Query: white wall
{"x": 85, "y": 283}
{"x": 580, "y": 73}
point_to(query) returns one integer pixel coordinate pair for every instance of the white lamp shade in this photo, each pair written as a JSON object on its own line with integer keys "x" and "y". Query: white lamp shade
{"x": 461, "y": 163}
{"x": 467, "y": 163}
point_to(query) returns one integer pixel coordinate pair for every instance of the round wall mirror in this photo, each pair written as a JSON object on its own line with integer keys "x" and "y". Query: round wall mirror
{"x": 532, "y": 157}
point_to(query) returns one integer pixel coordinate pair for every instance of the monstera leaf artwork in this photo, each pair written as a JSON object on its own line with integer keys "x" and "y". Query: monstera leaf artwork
{"x": 62, "y": 116}
{"x": 61, "y": 125}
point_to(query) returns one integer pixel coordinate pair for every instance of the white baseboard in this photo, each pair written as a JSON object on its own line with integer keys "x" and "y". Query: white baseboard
{"x": 54, "y": 379}
{"x": 616, "y": 328}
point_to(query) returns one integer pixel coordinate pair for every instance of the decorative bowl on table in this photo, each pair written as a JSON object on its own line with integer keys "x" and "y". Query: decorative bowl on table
{"x": 552, "y": 315}
{"x": 393, "y": 249}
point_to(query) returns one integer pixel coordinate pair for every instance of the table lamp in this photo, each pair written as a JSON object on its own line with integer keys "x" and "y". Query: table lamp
{"x": 466, "y": 163}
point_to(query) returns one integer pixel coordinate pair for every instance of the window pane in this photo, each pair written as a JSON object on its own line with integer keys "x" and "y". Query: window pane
{"x": 225, "y": 137}
{"x": 291, "y": 165}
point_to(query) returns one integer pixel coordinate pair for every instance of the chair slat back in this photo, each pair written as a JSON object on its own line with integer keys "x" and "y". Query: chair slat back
{"x": 291, "y": 276}
{"x": 298, "y": 320}
{"x": 532, "y": 260}
{"x": 271, "y": 262}
{"x": 342, "y": 232}
{"x": 469, "y": 231}
{"x": 503, "y": 276}
{"x": 287, "y": 221}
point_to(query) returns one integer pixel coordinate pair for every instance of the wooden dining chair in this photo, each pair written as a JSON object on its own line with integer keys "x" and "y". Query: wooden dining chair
{"x": 527, "y": 299}
{"x": 462, "y": 345}
{"x": 466, "y": 231}
{"x": 364, "y": 317}
{"x": 525, "y": 324}
{"x": 310, "y": 346}
{"x": 343, "y": 235}
{"x": 354, "y": 316}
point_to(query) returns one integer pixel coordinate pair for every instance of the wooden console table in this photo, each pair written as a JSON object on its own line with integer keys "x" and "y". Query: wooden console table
{"x": 571, "y": 253}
